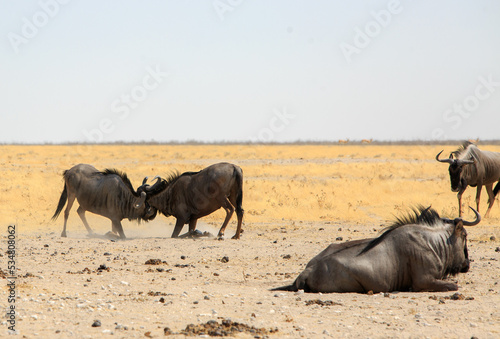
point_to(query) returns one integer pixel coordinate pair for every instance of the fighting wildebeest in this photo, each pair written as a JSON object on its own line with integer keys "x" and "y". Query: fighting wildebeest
{"x": 108, "y": 193}
{"x": 414, "y": 254}
{"x": 193, "y": 195}
{"x": 473, "y": 167}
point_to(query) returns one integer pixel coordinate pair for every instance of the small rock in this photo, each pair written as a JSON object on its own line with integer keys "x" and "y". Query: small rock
{"x": 96, "y": 323}
{"x": 339, "y": 238}
{"x": 225, "y": 259}
{"x": 167, "y": 331}
{"x": 153, "y": 262}
{"x": 183, "y": 257}
{"x": 493, "y": 238}
{"x": 107, "y": 253}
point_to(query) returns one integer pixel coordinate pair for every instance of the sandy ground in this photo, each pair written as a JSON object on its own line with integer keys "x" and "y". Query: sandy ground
{"x": 64, "y": 285}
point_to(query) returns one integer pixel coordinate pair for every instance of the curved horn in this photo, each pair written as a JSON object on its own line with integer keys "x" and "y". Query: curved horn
{"x": 140, "y": 201}
{"x": 475, "y": 222}
{"x": 449, "y": 160}
{"x": 153, "y": 187}
{"x": 145, "y": 180}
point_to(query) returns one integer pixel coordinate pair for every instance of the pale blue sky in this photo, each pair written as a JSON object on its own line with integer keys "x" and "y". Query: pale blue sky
{"x": 238, "y": 70}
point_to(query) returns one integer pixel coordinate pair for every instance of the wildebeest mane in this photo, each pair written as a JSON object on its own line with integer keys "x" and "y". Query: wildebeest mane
{"x": 170, "y": 179}
{"x": 122, "y": 175}
{"x": 419, "y": 215}
{"x": 462, "y": 150}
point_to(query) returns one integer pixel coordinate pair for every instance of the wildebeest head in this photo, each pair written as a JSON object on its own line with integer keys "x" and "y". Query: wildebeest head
{"x": 458, "y": 183}
{"x": 458, "y": 243}
{"x": 149, "y": 211}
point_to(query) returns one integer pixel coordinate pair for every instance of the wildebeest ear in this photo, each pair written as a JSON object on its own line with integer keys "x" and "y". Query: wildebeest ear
{"x": 459, "y": 225}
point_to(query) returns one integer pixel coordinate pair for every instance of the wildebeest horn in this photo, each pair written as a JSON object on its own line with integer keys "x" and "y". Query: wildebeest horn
{"x": 158, "y": 180}
{"x": 141, "y": 200}
{"x": 449, "y": 160}
{"x": 465, "y": 162}
{"x": 475, "y": 222}
{"x": 145, "y": 180}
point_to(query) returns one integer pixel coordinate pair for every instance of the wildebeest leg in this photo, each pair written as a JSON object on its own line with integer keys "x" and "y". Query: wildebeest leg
{"x": 228, "y": 207}
{"x": 491, "y": 198}
{"x": 430, "y": 284}
{"x": 179, "y": 224}
{"x": 81, "y": 213}
{"x": 459, "y": 196}
{"x": 192, "y": 225}
{"x": 239, "y": 214}
{"x": 117, "y": 226}
{"x": 478, "y": 195}
{"x": 71, "y": 199}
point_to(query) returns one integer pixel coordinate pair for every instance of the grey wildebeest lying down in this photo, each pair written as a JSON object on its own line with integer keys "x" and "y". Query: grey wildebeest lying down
{"x": 473, "y": 167}
{"x": 108, "y": 193}
{"x": 193, "y": 195}
{"x": 414, "y": 254}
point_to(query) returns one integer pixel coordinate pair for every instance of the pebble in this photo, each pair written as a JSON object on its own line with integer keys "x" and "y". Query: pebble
{"x": 96, "y": 323}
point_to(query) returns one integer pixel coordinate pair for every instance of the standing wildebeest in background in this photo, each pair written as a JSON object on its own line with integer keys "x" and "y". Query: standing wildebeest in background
{"x": 193, "y": 195}
{"x": 108, "y": 193}
{"x": 473, "y": 167}
{"x": 415, "y": 253}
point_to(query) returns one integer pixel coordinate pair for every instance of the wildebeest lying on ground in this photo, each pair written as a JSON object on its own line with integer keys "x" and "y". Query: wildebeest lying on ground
{"x": 193, "y": 195}
{"x": 108, "y": 193}
{"x": 414, "y": 254}
{"x": 473, "y": 167}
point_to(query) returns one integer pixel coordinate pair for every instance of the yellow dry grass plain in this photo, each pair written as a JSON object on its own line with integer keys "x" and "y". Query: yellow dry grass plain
{"x": 341, "y": 183}
{"x": 297, "y": 199}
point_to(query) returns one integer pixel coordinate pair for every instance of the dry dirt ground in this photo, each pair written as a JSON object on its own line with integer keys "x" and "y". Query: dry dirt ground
{"x": 65, "y": 285}
{"x": 140, "y": 286}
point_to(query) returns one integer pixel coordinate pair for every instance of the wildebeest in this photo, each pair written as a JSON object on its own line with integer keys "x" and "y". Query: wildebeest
{"x": 193, "y": 195}
{"x": 473, "y": 167}
{"x": 415, "y": 253}
{"x": 108, "y": 193}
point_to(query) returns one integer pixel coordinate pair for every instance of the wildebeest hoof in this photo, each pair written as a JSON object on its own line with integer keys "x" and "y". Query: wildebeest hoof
{"x": 236, "y": 237}
{"x": 196, "y": 234}
{"x": 63, "y": 234}
{"x": 112, "y": 236}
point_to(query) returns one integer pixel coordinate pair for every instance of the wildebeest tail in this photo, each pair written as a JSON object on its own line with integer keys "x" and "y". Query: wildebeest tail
{"x": 62, "y": 202}
{"x": 239, "y": 187}
{"x": 496, "y": 189}
{"x": 291, "y": 288}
